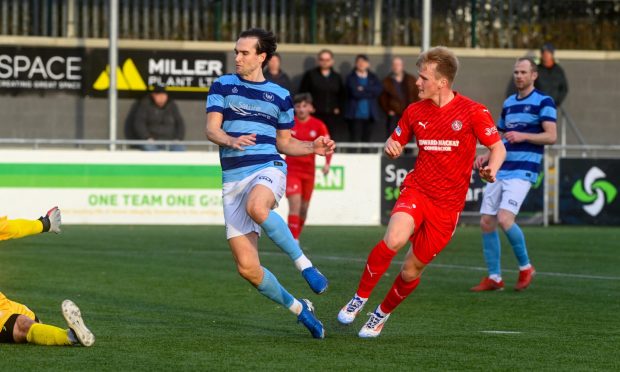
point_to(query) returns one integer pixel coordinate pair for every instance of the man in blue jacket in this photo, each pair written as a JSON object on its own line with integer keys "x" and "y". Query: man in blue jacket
{"x": 363, "y": 89}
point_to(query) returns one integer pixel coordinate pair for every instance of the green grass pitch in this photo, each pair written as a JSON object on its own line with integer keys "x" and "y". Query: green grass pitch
{"x": 169, "y": 298}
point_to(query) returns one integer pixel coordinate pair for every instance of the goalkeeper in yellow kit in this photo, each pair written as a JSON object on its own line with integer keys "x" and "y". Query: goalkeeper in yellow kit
{"x": 19, "y": 324}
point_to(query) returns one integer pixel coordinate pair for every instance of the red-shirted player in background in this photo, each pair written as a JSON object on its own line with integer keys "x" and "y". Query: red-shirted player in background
{"x": 300, "y": 173}
{"x": 446, "y": 126}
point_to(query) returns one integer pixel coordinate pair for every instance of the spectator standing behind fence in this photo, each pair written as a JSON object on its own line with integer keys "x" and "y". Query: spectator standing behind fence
{"x": 328, "y": 93}
{"x": 274, "y": 73}
{"x": 157, "y": 118}
{"x": 399, "y": 90}
{"x": 551, "y": 78}
{"x": 363, "y": 89}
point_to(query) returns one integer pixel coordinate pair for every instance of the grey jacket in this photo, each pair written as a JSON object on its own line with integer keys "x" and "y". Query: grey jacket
{"x": 163, "y": 123}
{"x": 552, "y": 82}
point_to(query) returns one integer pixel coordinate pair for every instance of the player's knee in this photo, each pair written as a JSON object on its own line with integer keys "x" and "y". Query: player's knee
{"x": 396, "y": 241}
{"x": 21, "y": 328}
{"x": 505, "y": 221}
{"x": 487, "y": 223}
{"x": 411, "y": 274}
{"x": 257, "y": 211}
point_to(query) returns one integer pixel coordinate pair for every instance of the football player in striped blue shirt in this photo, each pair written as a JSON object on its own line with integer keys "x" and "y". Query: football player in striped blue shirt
{"x": 250, "y": 119}
{"x": 528, "y": 122}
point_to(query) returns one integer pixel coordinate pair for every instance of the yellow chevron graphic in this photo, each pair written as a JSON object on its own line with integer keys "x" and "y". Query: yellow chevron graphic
{"x": 127, "y": 78}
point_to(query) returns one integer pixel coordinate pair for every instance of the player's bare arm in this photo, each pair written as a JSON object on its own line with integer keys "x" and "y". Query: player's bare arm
{"x": 497, "y": 154}
{"x": 217, "y": 135}
{"x": 547, "y": 137}
{"x": 481, "y": 160}
{"x": 393, "y": 148}
{"x": 289, "y": 145}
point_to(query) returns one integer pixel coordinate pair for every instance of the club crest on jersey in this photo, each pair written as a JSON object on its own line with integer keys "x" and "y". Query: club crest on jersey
{"x": 268, "y": 96}
{"x": 312, "y": 133}
{"x": 235, "y": 90}
{"x": 457, "y": 125}
{"x": 398, "y": 131}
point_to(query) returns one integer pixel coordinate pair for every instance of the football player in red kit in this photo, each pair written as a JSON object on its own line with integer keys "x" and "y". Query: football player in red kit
{"x": 446, "y": 126}
{"x": 300, "y": 176}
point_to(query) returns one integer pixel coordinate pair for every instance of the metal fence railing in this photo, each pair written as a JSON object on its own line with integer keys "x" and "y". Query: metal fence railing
{"x": 571, "y": 24}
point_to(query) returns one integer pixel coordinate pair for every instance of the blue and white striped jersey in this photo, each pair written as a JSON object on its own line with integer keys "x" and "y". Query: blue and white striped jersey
{"x": 524, "y": 115}
{"x": 249, "y": 107}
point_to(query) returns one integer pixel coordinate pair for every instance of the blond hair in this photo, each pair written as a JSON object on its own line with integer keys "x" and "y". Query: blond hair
{"x": 446, "y": 63}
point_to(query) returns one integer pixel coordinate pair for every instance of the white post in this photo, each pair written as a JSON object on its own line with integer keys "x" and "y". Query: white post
{"x": 71, "y": 18}
{"x": 113, "y": 58}
{"x": 426, "y": 25}
{"x": 563, "y": 133}
{"x": 556, "y": 190}
{"x": 378, "y": 25}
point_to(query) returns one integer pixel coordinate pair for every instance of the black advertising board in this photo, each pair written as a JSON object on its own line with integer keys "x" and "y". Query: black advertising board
{"x": 185, "y": 74}
{"x": 393, "y": 172}
{"x": 86, "y": 71}
{"x": 36, "y": 70}
{"x": 589, "y": 191}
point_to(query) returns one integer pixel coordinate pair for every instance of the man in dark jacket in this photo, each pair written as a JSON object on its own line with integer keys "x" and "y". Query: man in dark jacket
{"x": 551, "y": 79}
{"x": 158, "y": 118}
{"x": 363, "y": 89}
{"x": 399, "y": 90}
{"x": 328, "y": 94}
{"x": 273, "y": 72}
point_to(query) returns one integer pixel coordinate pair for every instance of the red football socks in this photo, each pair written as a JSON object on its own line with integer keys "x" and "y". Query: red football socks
{"x": 302, "y": 222}
{"x": 397, "y": 294}
{"x": 377, "y": 264}
{"x": 293, "y": 225}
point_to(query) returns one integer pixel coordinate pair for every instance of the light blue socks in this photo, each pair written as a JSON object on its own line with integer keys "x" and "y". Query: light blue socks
{"x": 492, "y": 249}
{"x": 278, "y": 231}
{"x": 517, "y": 240}
{"x": 272, "y": 289}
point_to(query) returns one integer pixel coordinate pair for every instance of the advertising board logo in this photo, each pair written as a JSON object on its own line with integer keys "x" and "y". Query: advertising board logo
{"x": 594, "y": 191}
{"x": 127, "y": 78}
{"x": 332, "y": 181}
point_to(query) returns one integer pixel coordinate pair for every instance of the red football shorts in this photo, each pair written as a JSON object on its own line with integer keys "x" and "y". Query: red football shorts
{"x": 434, "y": 226}
{"x": 296, "y": 184}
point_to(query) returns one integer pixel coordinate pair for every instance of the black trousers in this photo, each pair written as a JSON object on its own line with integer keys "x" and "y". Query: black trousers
{"x": 360, "y": 130}
{"x": 336, "y": 126}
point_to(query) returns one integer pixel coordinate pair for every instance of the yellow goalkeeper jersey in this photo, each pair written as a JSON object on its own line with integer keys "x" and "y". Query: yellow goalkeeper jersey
{"x": 8, "y": 308}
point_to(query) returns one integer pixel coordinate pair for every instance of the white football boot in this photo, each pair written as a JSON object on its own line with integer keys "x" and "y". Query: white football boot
{"x": 374, "y": 325}
{"x": 348, "y": 313}
{"x": 73, "y": 316}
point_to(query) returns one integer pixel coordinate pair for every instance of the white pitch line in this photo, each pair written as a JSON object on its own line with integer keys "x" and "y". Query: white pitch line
{"x": 503, "y": 332}
{"x": 462, "y": 267}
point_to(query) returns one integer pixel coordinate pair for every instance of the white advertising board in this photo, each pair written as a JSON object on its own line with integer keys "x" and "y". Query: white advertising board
{"x": 133, "y": 187}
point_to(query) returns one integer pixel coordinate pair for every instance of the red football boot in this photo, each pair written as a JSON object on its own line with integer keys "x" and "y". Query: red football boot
{"x": 525, "y": 278}
{"x": 488, "y": 284}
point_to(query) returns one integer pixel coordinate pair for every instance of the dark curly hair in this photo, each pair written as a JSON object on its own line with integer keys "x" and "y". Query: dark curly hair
{"x": 266, "y": 42}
